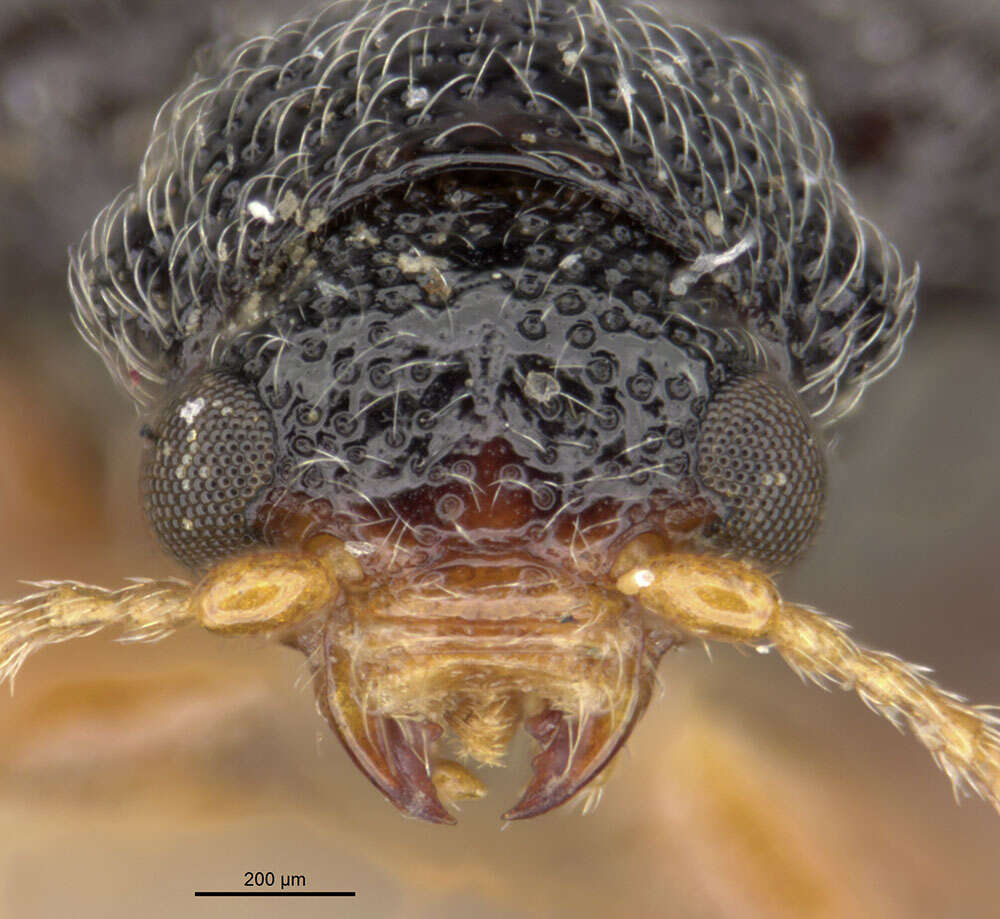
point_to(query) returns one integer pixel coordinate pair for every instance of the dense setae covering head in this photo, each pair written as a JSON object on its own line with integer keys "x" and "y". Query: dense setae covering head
{"x": 509, "y": 251}
{"x": 708, "y": 142}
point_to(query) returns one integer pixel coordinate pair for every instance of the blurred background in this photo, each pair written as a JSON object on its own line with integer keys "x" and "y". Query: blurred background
{"x": 131, "y": 776}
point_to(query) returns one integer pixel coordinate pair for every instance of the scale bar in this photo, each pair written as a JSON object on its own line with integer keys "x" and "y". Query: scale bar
{"x": 275, "y": 893}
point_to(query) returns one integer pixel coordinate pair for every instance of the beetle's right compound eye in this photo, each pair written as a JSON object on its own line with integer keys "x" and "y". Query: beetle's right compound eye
{"x": 213, "y": 452}
{"x": 757, "y": 453}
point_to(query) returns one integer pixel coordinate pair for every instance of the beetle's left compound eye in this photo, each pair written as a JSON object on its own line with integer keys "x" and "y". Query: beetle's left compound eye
{"x": 757, "y": 453}
{"x": 213, "y": 452}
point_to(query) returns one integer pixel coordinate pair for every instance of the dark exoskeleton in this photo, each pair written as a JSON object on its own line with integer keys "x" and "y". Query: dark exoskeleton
{"x": 489, "y": 348}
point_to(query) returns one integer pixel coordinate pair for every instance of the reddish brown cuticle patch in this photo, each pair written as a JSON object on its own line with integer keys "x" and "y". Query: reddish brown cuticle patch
{"x": 415, "y": 530}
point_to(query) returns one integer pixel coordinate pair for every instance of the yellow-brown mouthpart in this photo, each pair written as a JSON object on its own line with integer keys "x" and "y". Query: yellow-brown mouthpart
{"x": 470, "y": 648}
{"x": 477, "y": 648}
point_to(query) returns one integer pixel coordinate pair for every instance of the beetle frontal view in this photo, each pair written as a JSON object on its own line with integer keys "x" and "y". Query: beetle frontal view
{"x": 487, "y": 350}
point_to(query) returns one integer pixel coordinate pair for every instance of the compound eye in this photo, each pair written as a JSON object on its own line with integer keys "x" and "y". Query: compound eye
{"x": 757, "y": 453}
{"x": 212, "y": 452}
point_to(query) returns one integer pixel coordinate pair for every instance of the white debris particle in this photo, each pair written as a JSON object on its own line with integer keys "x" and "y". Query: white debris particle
{"x": 570, "y": 260}
{"x": 542, "y": 387}
{"x": 191, "y": 410}
{"x": 709, "y": 262}
{"x": 249, "y": 312}
{"x": 570, "y": 58}
{"x": 260, "y": 211}
{"x": 643, "y": 577}
{"x": 600, "y": 145}
{"x": 357, "y": 548}
{"x": 331, "y": 289}
{"x": 712, "y": 260}
{"x": 415, "y": 95}
{"x": 361, "y": 234}
{"x": 529, "y": 138}
{"x": 187, "y": 524}
{"x": 626, "y": 91}
{"x": 288, "y": 204}
{"x": 416, "y": 263}
{"x": 315, "y": 219}
{"x": 666, "y": 70}
{"x": 713, "y": 223}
